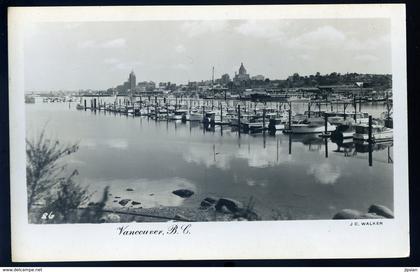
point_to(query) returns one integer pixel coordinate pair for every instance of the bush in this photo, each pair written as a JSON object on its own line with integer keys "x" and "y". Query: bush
{"x": 66, "y": 202}
{"x": 52, "y": 197}
{"x": 42, "y": 168}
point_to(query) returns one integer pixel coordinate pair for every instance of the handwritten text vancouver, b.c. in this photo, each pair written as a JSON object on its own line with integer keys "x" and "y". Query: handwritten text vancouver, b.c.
{"x": 174, "y": 229}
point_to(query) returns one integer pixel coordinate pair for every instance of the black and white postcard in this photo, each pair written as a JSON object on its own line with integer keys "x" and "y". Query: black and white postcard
{"x": 208, "y": 132}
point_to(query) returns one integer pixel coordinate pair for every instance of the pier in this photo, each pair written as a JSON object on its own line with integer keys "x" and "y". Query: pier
{"x": 253, "y": 117}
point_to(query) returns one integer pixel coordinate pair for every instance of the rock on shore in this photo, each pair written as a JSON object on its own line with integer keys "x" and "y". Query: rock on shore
{"x": 124, "y": 202}
{"x": 184, "y": 193}
{"x": 207, "y": 202}
{"x": 348, "y": 214}
{"x": 230, "y": 204}
{"x": 381, "y": 210}
{"x": 375, "y": 212}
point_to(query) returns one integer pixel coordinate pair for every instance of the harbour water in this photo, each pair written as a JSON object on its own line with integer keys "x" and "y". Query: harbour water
{"x": 288, "y": 176}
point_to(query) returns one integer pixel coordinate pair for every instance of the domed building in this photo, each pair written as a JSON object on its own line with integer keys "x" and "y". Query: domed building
{"x": 242, "y": 75}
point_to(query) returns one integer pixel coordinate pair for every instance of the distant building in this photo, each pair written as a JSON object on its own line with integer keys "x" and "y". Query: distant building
{"x": 258, "y": 77}
{"x": 354, "y": 89}
{"x": 146, "y": 86}
{"x": 129, "y": 85}
{"x": 132, "y": 81}
{"x": 242, "y": 75}
{"x": 192, "y": 84}
{"x": 126, "y": 86}
{"x": 152, "y": 92}
{"x": 225, "y": 79}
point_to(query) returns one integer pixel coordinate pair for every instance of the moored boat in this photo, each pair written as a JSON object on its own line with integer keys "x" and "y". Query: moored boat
{"x": 379, "y": 133}
{"x": 195, "y": 117}
{"x": 276, "y": 124}
{"x": 311, "y": 125}
{"x": 179, "y": 114}
{"x": 130, "y": 110}
{"x": 253, "y": 124}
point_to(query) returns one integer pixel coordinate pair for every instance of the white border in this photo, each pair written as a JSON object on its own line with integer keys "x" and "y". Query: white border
{"x": 230, "y": 240}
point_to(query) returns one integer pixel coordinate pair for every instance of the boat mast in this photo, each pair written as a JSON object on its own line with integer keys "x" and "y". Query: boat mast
{"x": 212, "y": 82}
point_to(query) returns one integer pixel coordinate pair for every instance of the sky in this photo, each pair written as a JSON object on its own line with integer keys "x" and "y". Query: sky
{"x": 100, "y": 55}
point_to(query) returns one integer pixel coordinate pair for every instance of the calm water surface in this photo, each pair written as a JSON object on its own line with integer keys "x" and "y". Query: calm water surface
{"x": 155, "y": 158}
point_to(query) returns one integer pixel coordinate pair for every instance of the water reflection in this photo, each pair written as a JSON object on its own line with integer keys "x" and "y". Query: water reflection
{"x": 120, "y": 143}
{"x": 253, "y": 182}
{"x": 262, "y": 157}
{"x": 220, "y": 155}
{"x": 312, "y": 176}
{"x": 117, "y": 143}
{"x": 270, "y": 154}
{"x": 351, "y": 149}
{"x": 325, "y": 173}
{"x": 199, "y": 154}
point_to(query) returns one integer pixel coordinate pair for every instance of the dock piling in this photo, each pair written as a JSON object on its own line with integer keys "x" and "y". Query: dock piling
{"x": 355, "y": 109}
{"x": 239, "y": 119}
{"x": 344, "y": 110}
{"x": 388, "y": 108}
{"x": 370, "y": 140}
{"x": 156, "y": 109}
{"x": 263, "y": 120}
{"x": 326, "y": 147}
{"x": 326, "y": 123}
{"x": 309, "y": 109}
{"x": 221, "y": 114}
